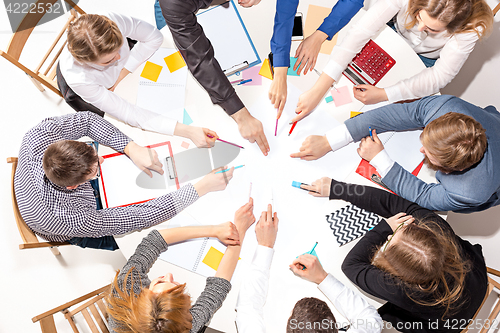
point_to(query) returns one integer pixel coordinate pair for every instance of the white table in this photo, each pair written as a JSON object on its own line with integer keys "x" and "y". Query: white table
{"x": 302, "y": 217}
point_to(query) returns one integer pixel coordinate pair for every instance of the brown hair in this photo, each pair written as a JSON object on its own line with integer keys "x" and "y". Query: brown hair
{"x": 311, "y": 315}
{"x": 69, "y": 163}
{"x": 459, "y": 16}
{"x": 428, "y": 262}
{"x": 92, "y": 36}
{"x": 455, "y": 140}
{"x": 148, "y": 312}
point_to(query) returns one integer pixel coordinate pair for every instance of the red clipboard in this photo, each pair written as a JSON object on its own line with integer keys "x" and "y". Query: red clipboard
{"x": 169, "y": 167}
{"x": 368, "y": 171}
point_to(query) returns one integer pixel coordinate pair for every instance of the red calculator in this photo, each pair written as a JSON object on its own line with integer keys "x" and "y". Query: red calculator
{"x": 369, "y": 65}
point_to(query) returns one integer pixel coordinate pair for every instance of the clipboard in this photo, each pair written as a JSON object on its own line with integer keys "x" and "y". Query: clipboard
{"x": 121, "y": 179}
{"x": 233, "y": 47}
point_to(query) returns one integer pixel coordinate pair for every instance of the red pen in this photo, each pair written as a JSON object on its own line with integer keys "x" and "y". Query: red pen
{"x": 293, "y": 126}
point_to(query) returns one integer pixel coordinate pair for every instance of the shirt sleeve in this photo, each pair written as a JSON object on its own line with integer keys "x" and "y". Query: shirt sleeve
{"x": 429, "y": 81}
{"x": 339, "y": 137}
{"x": 373, "y": 20}
{"x": 281, "y": 41}
{"x": 253, "y": 293}
{"x": 363, "y": 317}
{"x": 209, "y": 302}
{"x": 120, "y": 109}
{"x": 149, "y": 39}
{"x": 341, "y": 14}
{"x": 382, "y": 162}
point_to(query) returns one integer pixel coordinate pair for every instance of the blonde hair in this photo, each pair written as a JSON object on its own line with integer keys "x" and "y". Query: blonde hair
{"x": 459, "y": 16}
{"x": 92, "y": 36}
{"x": 148, "y": 312}
{"x": 426, "y": 260}
{"x": 455, "y": 140}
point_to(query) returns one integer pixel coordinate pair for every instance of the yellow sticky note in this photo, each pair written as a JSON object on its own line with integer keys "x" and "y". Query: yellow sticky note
{"x": 213, "y": 258}
{"x": 314, "y": 18}
{"x": 151, "y": 71}
{"x": 174, "y": 61}
{"x": 354, "y": 113}
{"x": 265, "y": 70}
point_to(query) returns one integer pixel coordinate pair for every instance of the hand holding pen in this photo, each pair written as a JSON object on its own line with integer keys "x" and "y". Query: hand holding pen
{"x": 370, "y": 146}
{"x": 308, "y": 267}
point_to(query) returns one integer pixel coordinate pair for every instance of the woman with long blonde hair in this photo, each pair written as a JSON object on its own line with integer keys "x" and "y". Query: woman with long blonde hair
{"x": 432, "y": 280}
{"x": 442, "y": 32}
{"x": 102, "y": 50}
{"x": 137, "y": 304}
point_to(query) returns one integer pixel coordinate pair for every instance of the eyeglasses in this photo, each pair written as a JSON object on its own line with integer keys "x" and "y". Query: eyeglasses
{"x": 392, "y": 236}
{"x": 95, "y": 145}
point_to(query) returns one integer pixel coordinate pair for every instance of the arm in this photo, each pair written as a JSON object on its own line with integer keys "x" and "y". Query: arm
{"x": 253, "y": 290}
{"x": 225, "y": 232}
{"x": 431, "y": 80}
{"x": 218, "y": 287}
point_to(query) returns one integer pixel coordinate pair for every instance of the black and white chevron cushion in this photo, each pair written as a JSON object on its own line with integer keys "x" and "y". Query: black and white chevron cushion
{"x": 351, "y": 222}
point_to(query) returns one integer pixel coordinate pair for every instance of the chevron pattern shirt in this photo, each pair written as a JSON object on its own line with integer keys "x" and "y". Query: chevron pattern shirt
{"x": 58, "y": 214}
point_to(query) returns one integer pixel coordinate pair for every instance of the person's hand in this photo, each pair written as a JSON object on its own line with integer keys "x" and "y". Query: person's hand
{"x": 214, "y": 181}
{"x": 309, "y": 268}
{"x": 201, "y": 137}
{"x": 308, "y": 51}
{"x": 251, "y": 129}
{"x": 311, "y": 98}
{"x": 227, "y": 233}
{"x": 146, "y": 159}
{"x": 368, "y": 94}
{"x": 123, "y": 73}
{"x": 320, "y": 187}
{"x": 313, "y": 147}
{"x": 396, "y": 220}
{"x": 369, "y": 148}
{"x": 278, "y": 92}
{"x": 244, "y": 218}
{"x": 267, "y": 228}
{"x": 248, "y": 3}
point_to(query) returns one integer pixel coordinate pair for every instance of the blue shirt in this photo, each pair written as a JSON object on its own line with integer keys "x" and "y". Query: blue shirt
{"x": 281, "y": 41}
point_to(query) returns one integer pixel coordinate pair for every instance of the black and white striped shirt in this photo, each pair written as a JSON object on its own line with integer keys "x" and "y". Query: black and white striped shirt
{"x": 58, "y": 214}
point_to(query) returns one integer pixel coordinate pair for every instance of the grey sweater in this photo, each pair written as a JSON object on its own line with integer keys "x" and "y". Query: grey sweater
{"x": 145, "y": 256}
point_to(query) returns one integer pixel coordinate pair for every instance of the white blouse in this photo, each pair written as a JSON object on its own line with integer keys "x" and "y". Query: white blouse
{"x": 452, "y": 50}
{"x": 91, "y": 82}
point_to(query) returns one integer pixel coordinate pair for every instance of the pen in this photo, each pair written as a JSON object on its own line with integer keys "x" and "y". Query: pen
{"x": 291, "y": 130}
{"x": 237, "y": 81}
{"x": 243, "y": 82}
{"x": 250, "y": 192}
{"x": 310, "y": 252}
{"x": 276, "y": 128}
{"x": 298, "y": 185}
{"x": 210, "y": 136}
{"x": 370, "y": 130}
{"x": 317, "y": 72}
{"x": 236, "y": 167}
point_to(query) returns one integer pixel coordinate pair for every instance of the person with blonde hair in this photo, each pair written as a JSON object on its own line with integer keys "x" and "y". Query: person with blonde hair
{"x": 138, "y": 304}
{"x": 102, "y": 50}
{"x": 432, "y": 280}
{"x": 442, "y": 32}
{"x": 460, "y": 141}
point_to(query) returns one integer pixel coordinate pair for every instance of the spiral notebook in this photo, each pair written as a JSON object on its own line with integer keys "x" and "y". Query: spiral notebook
{"x": 164, "y": 90}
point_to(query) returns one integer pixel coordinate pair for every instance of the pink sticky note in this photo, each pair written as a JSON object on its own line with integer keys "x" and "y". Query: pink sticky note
{"x": 185, "y": 145}
{"x": 252, "y": 73}
{"x": 341, "y": 96}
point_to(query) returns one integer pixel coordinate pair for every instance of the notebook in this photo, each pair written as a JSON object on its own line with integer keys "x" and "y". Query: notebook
{"x": 369, "y": 65}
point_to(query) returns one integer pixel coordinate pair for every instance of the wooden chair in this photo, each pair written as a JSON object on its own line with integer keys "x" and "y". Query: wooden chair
{"x": 94, "y": 316}
{"x": 30, "y": 240}
{"x": 20, "y": 37}
{"x": 492, "y": 284}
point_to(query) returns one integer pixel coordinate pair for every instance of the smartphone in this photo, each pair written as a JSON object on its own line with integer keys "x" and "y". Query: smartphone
{"x": 298, "y": 28}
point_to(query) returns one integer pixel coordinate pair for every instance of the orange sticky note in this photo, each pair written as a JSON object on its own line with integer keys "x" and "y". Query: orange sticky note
{"x": 265, "y": 70}
{"x": 151, "y": 71}
{"x": 213, "y": 258}
{"x": 174, "y": 61}
{"x": 354, "y": 114}
{"x": 314, "y": 18}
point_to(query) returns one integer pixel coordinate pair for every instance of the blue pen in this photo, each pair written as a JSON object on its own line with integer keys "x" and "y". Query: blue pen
{"x": 244, "y": 81}
{"x": 236, "y": 167}
{"x": 370, "y": 130}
